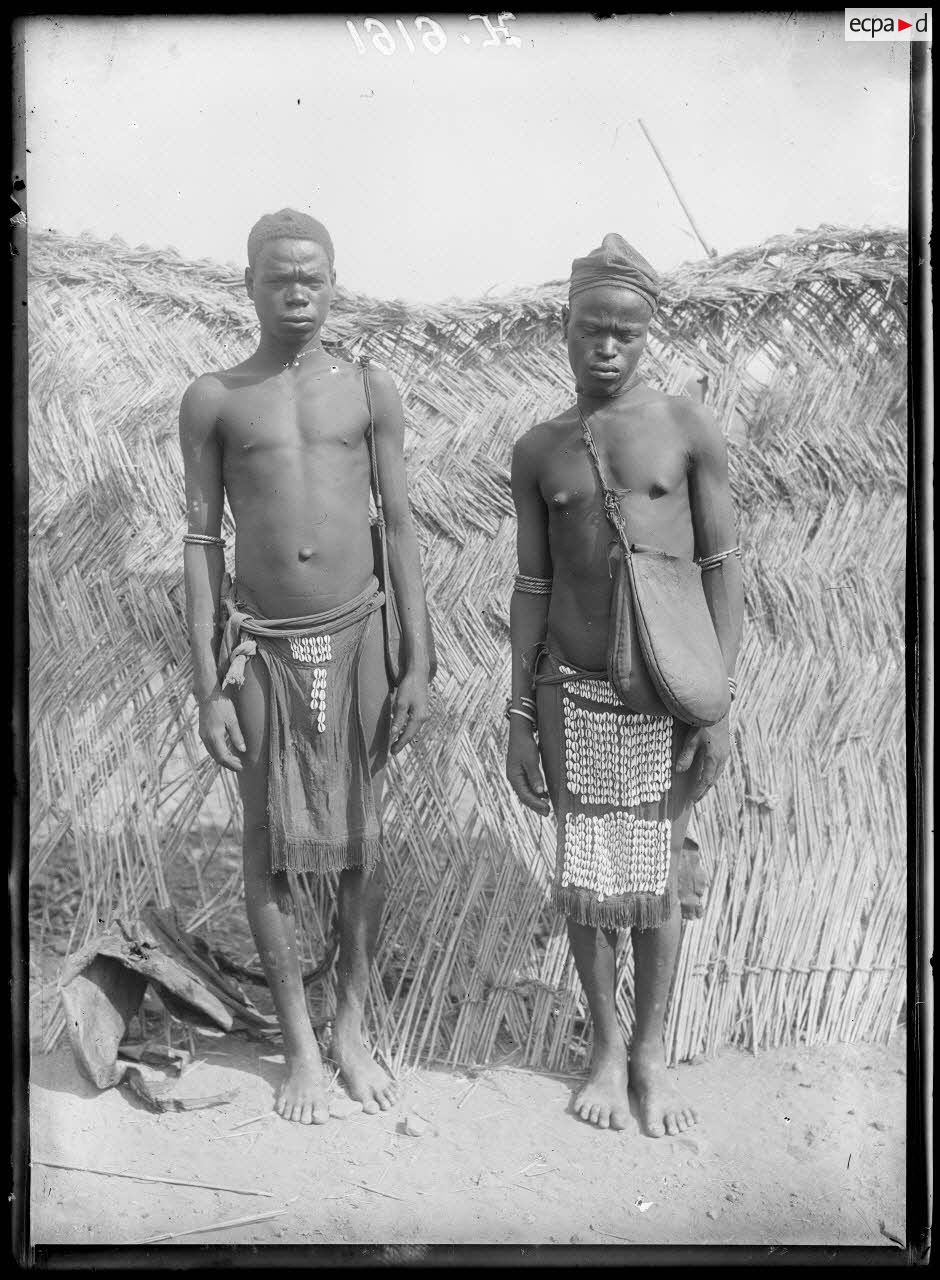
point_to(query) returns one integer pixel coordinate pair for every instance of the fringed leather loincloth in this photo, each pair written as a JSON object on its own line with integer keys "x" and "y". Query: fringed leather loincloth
{"x": 609, "y": 772}
{"x": 321, "y": 805}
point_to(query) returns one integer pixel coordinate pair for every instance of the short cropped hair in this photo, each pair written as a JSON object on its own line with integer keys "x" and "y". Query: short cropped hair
{"x": 287, "y": 224}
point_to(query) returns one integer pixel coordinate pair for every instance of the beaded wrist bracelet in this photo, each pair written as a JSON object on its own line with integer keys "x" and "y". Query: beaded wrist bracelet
{"x": 203, "y": 540}
{"x": 712, "y": 562}
{"x": 517, "y": 711}
{"x": 521, "y": 711}
{"x": 532, "y": 586}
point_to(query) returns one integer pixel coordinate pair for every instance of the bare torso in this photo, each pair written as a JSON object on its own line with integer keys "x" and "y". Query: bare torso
{"x": 644, "y": 452}
{"x": 295, "y": 465}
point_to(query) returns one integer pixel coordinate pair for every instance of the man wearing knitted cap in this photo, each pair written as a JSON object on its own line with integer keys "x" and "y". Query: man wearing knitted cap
{"x": 621, "y": 782}
{"x": 290, "y": 667}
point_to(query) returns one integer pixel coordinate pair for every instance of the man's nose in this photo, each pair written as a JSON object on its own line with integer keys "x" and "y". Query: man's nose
{"x": 606, "y": 346}
{"x": 294, "y": 292}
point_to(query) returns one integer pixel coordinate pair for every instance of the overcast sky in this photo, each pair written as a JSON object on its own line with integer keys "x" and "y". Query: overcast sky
{"x": 475, "y": 168}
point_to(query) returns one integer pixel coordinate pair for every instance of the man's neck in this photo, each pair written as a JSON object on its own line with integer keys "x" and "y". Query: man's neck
{"x": 590, "y": 402}
{"x": 273, "y": 352}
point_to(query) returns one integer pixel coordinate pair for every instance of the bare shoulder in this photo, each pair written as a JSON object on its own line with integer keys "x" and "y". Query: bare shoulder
{"x": 380, "y": 378}
{"x": 696, "y": 422}
{"x": 201, "y": 402}
{"x": 533, "y": 445}
{"x": 382, "y": 387}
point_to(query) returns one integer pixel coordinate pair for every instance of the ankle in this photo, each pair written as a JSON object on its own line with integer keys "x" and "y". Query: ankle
{"x": 609, "y": 1047}
{"x": 347, "y": 1026}
{"x": 303, "y": 1055}
{"x": 648, "y": 1048}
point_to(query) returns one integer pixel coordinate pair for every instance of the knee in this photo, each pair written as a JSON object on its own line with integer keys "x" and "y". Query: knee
{"x": 356, "y": 881}
{"x": 281, "y": 892}
{"x": 262, "y": 885}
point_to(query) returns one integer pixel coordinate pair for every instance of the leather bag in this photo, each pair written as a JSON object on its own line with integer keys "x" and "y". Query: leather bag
{"x": 663, "y": 656}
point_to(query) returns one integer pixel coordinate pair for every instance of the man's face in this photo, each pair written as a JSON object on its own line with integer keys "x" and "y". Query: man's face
{"x": 292, "y": 288}
{"x": 606, "y": 332}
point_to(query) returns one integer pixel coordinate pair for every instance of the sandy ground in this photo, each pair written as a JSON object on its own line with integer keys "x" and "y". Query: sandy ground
{"x": 794, "y": 1146}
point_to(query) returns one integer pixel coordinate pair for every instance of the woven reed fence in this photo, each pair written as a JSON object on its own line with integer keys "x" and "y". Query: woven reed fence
{"x": 803, "y": 343}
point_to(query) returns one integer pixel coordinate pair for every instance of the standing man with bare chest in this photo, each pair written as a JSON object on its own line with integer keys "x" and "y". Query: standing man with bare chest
{"x": 289, "y": 666}
{"x": 621, "y": 783}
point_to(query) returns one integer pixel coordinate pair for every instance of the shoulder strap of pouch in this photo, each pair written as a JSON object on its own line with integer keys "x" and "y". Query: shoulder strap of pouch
{"x": 373, "y": 456}
{"x": 612, "y": 507}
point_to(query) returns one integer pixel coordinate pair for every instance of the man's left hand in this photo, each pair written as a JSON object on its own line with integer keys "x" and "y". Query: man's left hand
{"x": 410, "y": 710}
{"x": 707, "y": 747}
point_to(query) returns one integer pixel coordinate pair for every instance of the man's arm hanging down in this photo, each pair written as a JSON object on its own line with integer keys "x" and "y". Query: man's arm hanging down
{"x": 716, "y": 544}
{"x": 204, "y": 566}
{"x": 528, "y": 618}
{"x": 404, "y": 561}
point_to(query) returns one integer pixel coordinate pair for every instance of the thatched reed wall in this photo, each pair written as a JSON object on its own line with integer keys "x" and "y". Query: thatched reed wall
{"x": 803, "y": 341}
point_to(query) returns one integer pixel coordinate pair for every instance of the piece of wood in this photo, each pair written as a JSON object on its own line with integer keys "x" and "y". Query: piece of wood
{"x": 215, "y": 1226}
{"x": 146, "y": 1177}
{"x": 252, "y": 1120}
{"x": 375, "y": 1190}
{"x": 701, "y": 239}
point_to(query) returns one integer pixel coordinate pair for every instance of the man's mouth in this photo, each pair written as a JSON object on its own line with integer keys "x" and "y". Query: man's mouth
{"x": 604, "y": 371}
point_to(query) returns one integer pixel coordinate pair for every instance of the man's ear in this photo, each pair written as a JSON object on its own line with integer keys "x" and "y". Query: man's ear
{"x": 565, "y": 317}
{"x": 249, "y": 283}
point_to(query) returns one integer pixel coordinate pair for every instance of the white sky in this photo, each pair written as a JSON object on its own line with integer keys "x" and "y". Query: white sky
{"x": 473, "y": 169}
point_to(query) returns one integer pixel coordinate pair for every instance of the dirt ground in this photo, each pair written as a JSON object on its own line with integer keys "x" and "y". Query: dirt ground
{"x": 794, "y": 1146}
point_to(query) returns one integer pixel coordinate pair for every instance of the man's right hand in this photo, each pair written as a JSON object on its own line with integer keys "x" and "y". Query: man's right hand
{"x": 525, "y": 772}
{"x": 220, "y": 731}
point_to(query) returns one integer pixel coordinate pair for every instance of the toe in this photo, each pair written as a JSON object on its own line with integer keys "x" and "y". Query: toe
{"x": 671, "y": 1127}
{"x": 654, "y": 1127}
{"x": 321, "y": 1113}
{"x": 306, "y": 1114}
{"x": 619, "y": 1118}
{"x": 370, "y": 1106}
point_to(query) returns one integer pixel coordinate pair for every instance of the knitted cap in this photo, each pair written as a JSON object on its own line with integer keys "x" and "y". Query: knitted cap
{"x": 287, "y": 224}
{"x": 615, "y": 263}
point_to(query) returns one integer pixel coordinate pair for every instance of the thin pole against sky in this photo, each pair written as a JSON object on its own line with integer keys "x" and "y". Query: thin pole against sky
{"x": 711, "y": 252}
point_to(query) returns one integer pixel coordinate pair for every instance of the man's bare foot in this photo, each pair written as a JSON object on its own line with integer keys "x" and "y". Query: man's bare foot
{"x": 603, "y": 1100}
{"x": 302, "y": 1096}
{"x": 364, "y": 1079}
{"x": 662, "y": 1111}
